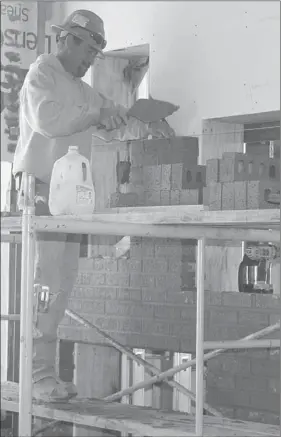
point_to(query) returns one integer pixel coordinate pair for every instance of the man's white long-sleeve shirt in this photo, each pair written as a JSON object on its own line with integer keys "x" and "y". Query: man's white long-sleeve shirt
{"x": 56, "y": 111}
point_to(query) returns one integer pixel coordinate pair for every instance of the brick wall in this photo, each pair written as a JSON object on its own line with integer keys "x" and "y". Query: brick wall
{"x": 139, "y": 301}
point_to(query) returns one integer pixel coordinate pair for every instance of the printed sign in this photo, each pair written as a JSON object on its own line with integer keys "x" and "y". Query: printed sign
{"x": 18, "y": 51}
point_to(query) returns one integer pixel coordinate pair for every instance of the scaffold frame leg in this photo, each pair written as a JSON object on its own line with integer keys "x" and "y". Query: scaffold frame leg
{"x": 26, "y": 320}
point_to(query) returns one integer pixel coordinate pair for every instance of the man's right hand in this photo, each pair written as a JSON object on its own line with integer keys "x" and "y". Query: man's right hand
{"x": 113, "y": 118}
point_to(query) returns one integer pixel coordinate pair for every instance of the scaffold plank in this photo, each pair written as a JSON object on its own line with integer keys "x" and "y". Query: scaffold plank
{"x": 132, "y": 419}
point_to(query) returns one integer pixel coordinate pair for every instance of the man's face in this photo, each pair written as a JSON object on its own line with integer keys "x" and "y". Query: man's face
{"x": 82, "y": 56}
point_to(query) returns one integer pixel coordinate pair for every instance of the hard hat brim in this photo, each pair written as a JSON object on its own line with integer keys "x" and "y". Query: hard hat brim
{"x": 57, "y": 29}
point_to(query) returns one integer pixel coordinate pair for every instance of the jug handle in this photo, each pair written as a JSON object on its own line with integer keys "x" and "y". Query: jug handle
{"x": 240, "y": 276}
{"x": 84, "y": 171}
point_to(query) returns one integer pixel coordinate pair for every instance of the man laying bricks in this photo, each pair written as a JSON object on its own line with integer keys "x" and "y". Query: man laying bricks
{"x": 57, "y": 109}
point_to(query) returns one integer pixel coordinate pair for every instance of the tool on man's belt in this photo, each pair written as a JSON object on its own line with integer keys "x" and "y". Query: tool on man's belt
{"x": 41, "y": 300}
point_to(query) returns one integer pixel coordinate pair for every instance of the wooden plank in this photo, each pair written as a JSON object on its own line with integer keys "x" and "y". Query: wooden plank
{"x": 182, "y": 231}
{"x": 137, "y": 420}
{"x": 182, "y": 214}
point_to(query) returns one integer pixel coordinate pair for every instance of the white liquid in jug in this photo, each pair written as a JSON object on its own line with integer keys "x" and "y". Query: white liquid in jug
{"x": 71, "y": 189}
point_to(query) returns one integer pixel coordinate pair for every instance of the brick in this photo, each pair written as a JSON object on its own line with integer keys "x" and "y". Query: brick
{"x": 153, "y": 295}
{"x": 155, "y": 265}
{"x": 185, "y": 150}
{"x": 157, "y": 151}
{"x": 233, "y": 167}
{"x": 227, "y": 196}
{"x": 206, "y": 196}
{"x": 248, "y": 415}
{"x": 152, "y": 198}
{"x": 257, "y": 318}
{"x": 188, "y": 281}
{"x": 250, "y": 383}
{"x": 188, "y": 313}
{"x": 189, "y": 197}
{"x": 106, "y": 265}
{"x": 139, "y": 190}
{"x": 223, "y": 316}
{"x": 236, "y": 299}
{"x": 236, "y": 365}
{"x": 130, "y": 325}
{"x": 166, "y": 171}
{"x": 170, "y": 281}
{"x": 175, "y": 265}
{"x": 77, "y": 292}
{"x": 167, "y": 312}
{"x": 175, "y": 197}
{"x": 123, "y": 200}
{"x": 183, "y": 330}
{"x": 268, "y": 401}
{"x": 83, "y": 278}
{"x": 168, "y": 248}
{"x": 221, "y": 332}
{"x": 76, "y": 304}
{"x": 106, "y": 323}
{"x": 257, "y": 194}
{"x": 130, "y": 294}
{"x": 189, "y": 250}
{"x": 155, "y": 327}
{"x": 136, "y": 248}
{"x": 225, "y": 382}
{"x": 151, "y": 158}
{"x": 156, "y": 342}
{"x": 129, "y": 265}
{"x": 274, "y": 385}
{"x": 136, "y": 152}
{"x": 181, "y": 297}
{"x": 258, "y": 353}
{"x": 165, "y": 198}
{"x": 138, "y": 280}
{"x": 274, "y": 318}
{"x": 189, "y": 266}
{"x": 226, "y": 411}
{"x": 101, "y": 293}
{"x": 152, "y": 177}
{"x": 272, "y": 418}
{"x": 212, "y": 171}
{"x": 98, "y": 279}
{"x": 228, "y": 397}
{"x": 93, "y": 307}
{"x": 176, "y": 176}
{"x": 215, "y": 366}
{"x": 266, "y": 301}
{"x": 136, "y": 176}
{"x": 240, "y": 195}
{"x": 215, "y": 196}
{"x": 147, "y": 247}
{"x": 156, "y": 177}
{"x": 263, "y": 168}
{"x": 129, "y": 309}
{"x": 213, "y": 298}
{"x": 194, "y": 177}
{"x": 265, "y": 367}
{"x": 117, "y": 279}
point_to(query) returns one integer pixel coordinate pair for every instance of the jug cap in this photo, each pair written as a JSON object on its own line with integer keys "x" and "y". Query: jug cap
{"x": 73, "y": 148}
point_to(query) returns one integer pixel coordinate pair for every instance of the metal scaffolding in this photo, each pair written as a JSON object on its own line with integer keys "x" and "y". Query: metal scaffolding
{"x": 30, "y": 224}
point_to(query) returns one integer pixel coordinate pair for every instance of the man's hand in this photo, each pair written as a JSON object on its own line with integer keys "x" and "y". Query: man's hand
{"x": 113, "y": 118}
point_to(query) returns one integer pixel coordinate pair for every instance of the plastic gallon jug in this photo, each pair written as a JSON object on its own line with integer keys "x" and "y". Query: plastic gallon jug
{"x": 71, "y": 189}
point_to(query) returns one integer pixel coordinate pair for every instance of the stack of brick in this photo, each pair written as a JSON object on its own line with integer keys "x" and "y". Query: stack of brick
{"x": 162, "y": 172}
{"x": 240, "y": 181}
